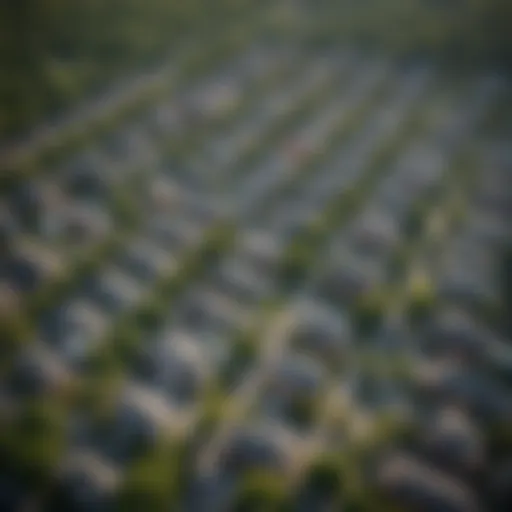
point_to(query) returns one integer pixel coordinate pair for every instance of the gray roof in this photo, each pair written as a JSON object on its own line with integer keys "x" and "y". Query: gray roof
{"x": 88, "y": 479}
{"x": 454, "y": 440}
{"x": 418, "y": 485}
{"x": 297, "y": 376}
{"x": 251, "y": 449}
{"x": 321, "y": 331}
{"x": 37, "y": 370}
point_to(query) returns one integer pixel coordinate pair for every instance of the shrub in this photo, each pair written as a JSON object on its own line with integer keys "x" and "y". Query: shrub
{"x": 151, "y": 482}
{"x": 368, "y": 311}
{"x": 302, "y": 411}
{"x": 261, "y": 492}
{"x": 36, "y": 442}
{"x": 421, "y": 298}
{"x": 415, "y": 221}
{"x": 243, "y": 352}
{"x": 325, "y": 476}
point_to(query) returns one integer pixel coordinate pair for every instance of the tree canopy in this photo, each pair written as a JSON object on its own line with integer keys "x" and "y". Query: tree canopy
{"x": 54, "y": 52}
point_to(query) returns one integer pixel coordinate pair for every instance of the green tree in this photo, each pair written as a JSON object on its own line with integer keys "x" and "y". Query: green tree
{"x": 36, "y": 442}
{"x": 325, "y": 476}
{"x": 261, "y": 492}
{"x": 153, "y": 481}
{"x": 368, "y": 311}
{"x": 421, "y": 300}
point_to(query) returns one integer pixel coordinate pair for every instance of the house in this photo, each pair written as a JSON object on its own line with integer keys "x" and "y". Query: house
{"x": 390, "y": 196}
{"x": 144, "y": 414}
{"x": 86, "y": 483}
{"x": 261, "y": 250}
{"x": 321, "y": 332}
{"x": 481, "y": 395}
{"x": 13, "y": 495}
{"x": 165, "y": 118}
{"x": 174, "y": 234}
{"x": 138, "y": 146}
{"x": 238, "y": 280}
{"x": 374, "y": 233}
{"x": 251, "y": 449}
{"x": 453, "y": 442}
{"x": 163, "y": 194}
{"x": 146, "y": 261}
{"x": 424, "y": 169}
{"x": 9, "y": 227}
{"x": 297, "y": 376}
{"x": 80, "y": 223}
{"x": 10, "y": 302}
{"x": 30, "y": 265}
{"x": 342, "y": 284}
{"x": 114, "y": 291}
{"x": 453, "y": 332}
{"x": 218, "y": 98}
{"x": 201, "y": 210}
{"x": 38, "y": 370}
{"x": 466, "y": 280}
{"x": 206, "y": 309}
{"x": 25, "y": 203}
{"x": 80, "y": 325}
{"x": 141, "y": 417}
{"x": 415, "y": 485}
{"x": 180, "y": 367}
{"x": 293, "y": 390}
{"x": 487, "y": 229}
{"x": 493, "y": 196}
{"x": 499, "y": 487}
{"x": 85, "y": 177}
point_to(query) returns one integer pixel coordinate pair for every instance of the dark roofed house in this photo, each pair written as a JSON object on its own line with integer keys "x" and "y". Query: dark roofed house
{"x": 134, "y": 145}
{"x": 180, "y": 368}
{"x": 322, "y": 333}
{"x": 476, "y": 392}
{"x": 345, "y": 283}
{"x": 488, "y": 230}
{"x": 146, "y": 261}
{"x": 85, "y": 177}
{"x": 293, "y": 392}
{"x": 454, "y": 443}
{"x": 30, "y": 265}
{"x": 210, "y": 311}
{"x": 78, "y": 326}
{"x": 9, "y": 227}
{"x": 13, "y": 495}
{"x": 176, "y": 234}
{"x": 499, "y": 487}
{"x": 452, "y": 332}
{"x": 466, "y": 283}
{"x": 10, "y": 302}
{"x": 163, "y": 194}
{"x": 240, "y": 281}
{"x": 412, "y": 484}
{"x": 375, "y": 234}
{"x": 251, "y": 450}
{"x": 37, "y": 370}
{"x": 86, "y": 483}
{"x": 114, "y": 291}
{"x": 21, "y": 274}
{"x": 261, "y": 250}
{"x": 297, "y": 376}
{"x": 485, "y": 397}
{"x": 164, "y": 119}
{"x": 142, "y": 416}
{"x": 26, "y": 204}
{"x": 78, "y": 223}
